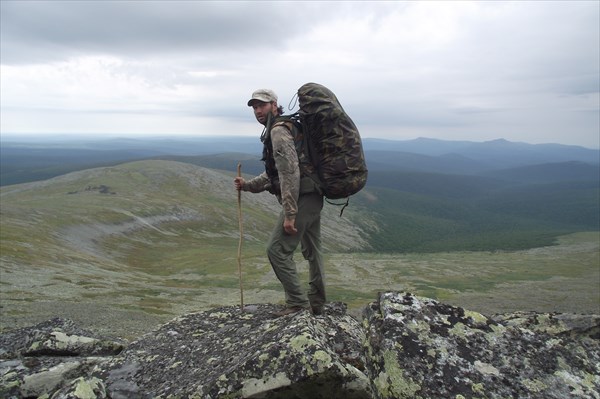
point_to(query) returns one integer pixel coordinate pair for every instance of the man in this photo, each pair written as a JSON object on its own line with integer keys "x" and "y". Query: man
{"x": 287, "y": 171}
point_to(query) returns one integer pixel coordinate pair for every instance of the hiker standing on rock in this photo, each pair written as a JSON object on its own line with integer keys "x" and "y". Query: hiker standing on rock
{"x": 286, "y": 175}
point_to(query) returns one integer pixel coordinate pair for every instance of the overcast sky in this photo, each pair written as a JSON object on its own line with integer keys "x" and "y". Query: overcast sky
{"x": 525, "y": 71}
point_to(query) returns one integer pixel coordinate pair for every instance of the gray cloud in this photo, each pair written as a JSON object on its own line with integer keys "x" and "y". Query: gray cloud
{"x": 528, "y": 71}
{"x": 36, "y": 30}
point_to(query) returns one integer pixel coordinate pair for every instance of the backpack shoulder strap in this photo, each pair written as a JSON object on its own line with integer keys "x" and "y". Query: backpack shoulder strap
{"x": 305, "y": 149}
{"x": 288, "y": 121}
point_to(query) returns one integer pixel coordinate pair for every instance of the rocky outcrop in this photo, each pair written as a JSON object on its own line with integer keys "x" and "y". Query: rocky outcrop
{"x": 421, "y": 348}
{"x": 227, "y": 353}
{"x": 217, "y": 353}
{"x": 38, "y": 361}
{"x": 405, "y": 347}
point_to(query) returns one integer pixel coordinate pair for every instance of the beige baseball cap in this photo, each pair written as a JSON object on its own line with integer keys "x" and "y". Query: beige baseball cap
{"x": 264, "y": 95}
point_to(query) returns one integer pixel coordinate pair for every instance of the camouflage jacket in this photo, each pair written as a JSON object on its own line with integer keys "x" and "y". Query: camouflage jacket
{"x": 286, "y": 162}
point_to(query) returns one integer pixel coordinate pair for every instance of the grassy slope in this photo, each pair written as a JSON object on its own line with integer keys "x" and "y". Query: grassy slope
{"x": 121, "y": 249}
{"x": 560, "y": 278}
{"x": 155, "y": 236}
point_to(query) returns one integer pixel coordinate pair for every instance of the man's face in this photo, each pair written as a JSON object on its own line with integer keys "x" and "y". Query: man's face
{"x": 262, "y": 110}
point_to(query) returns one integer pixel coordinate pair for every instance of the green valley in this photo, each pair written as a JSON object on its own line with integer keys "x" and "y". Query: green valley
{"x": 124, "y": 248}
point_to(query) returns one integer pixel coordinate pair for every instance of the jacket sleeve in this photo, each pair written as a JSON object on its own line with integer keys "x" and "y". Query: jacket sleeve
{"x": 286, "y": 161}
{"x": 257, "y": 184}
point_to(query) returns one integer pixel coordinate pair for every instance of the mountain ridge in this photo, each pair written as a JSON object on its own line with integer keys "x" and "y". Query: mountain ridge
{"x": 467, "y": 201}
{"x": 29, "y": 161}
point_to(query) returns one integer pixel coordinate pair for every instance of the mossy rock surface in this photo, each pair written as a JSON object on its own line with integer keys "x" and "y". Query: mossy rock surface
{"x": 421, "y": 348}
{"x": 405, "y": 347}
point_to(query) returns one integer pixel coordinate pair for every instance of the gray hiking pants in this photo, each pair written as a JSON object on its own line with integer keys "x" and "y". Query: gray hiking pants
{"x": 282, "y": 246}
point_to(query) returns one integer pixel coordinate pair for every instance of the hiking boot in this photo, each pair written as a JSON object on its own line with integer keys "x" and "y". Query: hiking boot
{"x": 287, "y": 311}
{"x": 317, "y": 310}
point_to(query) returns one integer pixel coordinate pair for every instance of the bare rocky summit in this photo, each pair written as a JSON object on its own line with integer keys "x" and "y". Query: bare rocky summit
{"x": 405, "y": 347}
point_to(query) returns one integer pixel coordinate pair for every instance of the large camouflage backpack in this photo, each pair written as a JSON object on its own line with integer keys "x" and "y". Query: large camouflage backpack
{"x": 333, "y": 142}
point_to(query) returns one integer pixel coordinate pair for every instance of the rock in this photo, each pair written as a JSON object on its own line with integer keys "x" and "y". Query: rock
{"x": 558, "y": 324}
{"x": 55, "y": 337}
{"x": 406, "y": 347}
{"x": 37, "y": 361}
{"x": 227, "y": 353}
{"x": 49, "y": 380}
{"x": 83, "y": 388}
{"x": 420, "y": 348}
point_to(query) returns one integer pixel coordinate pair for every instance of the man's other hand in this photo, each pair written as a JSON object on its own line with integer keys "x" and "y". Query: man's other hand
{"x": 289, "y": 225}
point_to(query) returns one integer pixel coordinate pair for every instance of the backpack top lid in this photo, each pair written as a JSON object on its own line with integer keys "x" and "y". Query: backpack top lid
{"x": 314, "y": 98}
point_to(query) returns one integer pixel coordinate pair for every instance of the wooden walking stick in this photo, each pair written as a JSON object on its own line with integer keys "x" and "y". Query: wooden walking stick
{"x": 239, "y": 256}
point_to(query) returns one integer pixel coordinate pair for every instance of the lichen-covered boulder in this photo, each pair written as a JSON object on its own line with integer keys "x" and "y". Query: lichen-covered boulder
{"x": 420, "y": 348}
{"x": 82, "y": 388}
{"x": 56, "y": 337}
{"x": 558, "y": 324}
{"x": 406, "y": 347}
{"x": 39, "y": 360}
{"x": 226, "y": 353}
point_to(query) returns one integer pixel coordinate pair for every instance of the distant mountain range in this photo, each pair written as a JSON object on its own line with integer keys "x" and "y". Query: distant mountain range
{"x": 23, "y": 161}
{"x": 496, "y": 154}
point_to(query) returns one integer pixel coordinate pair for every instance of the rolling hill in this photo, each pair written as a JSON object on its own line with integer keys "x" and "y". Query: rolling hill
{"x": 142, "y": 241}
{"x": 399, "y": 211}
{"x": 423, "y": 195}
{"x": 146, "y": 235}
